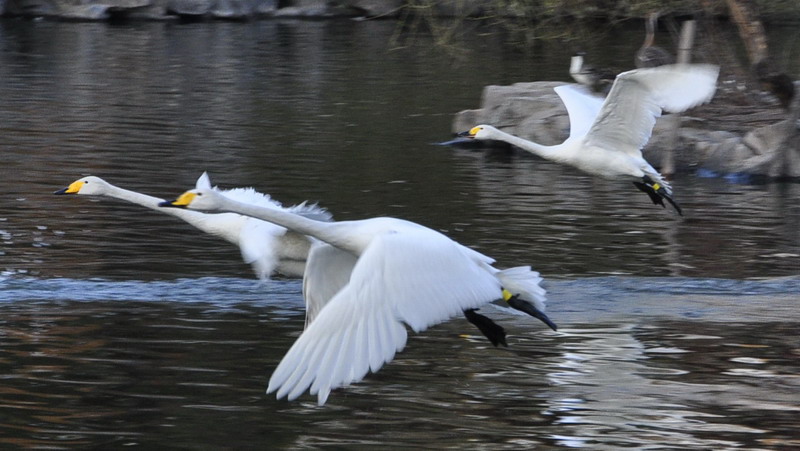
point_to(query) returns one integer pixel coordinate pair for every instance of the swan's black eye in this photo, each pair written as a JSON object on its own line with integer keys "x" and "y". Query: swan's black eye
{"x": 199, "y": 194}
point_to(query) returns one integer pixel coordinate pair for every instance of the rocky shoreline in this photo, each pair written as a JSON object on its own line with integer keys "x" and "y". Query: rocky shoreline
{"x": 101, "y": 10}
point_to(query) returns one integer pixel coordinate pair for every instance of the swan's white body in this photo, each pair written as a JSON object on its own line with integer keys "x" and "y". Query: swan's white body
{"x": 363, "y": 282}
{"x": 267, "y": 247}
{"x": 606, "y": 136}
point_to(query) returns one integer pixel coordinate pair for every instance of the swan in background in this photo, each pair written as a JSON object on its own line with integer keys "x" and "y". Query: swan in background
{"x": 777, "y": 83}
{"x": 598, "y": 80}
{"x": 606, "y": 136}
{"x": 648, "y": 54}
{"x": 267, "y": 247}
{"x": 398, "y": 272}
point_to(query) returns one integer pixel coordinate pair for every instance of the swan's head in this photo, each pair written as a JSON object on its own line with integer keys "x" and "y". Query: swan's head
{"x": 204, "y": 199}
{"x": 481, "y": 132}
{"x": 91, "y": 186}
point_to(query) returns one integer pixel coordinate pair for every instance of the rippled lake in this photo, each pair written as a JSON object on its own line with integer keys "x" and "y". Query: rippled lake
{"x": 120, "y": 327}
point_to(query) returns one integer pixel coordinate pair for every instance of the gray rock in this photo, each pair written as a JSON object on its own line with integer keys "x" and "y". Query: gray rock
{"x": 32, "y": 8}
{"x": 377, "y": 8}
{"x": 318, "y": 9}
{"x": 84, "y": 12}
{"x": 156, "y": 10}
{"x": 191, "y": 7}
{"x": 233, "y": 9}
{"x": 266, "y": 7}
{"x": 529, "y": 110}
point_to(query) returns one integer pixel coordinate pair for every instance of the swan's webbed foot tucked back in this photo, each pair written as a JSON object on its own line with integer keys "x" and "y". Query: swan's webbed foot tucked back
{"x": 524, "y": 306}
{"x": 493, "y": 331}
{"x": 657, "y": 193}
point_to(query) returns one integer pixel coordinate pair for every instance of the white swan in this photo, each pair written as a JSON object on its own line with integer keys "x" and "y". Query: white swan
{"x": 606, "y": 136}
{"x": 265, "y": 246}
{"x": 598, "y": 80}
{"x": 648, "y": 54}
{"x": 393, "y": 272}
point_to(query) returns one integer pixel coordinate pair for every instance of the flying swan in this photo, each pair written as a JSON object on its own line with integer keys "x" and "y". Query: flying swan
{"x": 267, "y": 247}
{"x": 399, "y": 272}
{"x": 606, "y": 136}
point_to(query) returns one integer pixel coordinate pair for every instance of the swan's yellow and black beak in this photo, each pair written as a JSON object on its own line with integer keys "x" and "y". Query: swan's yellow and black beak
{"x": 182, "y": 201}
{"x": 515, "y": 302}
{"x": 469, "y": 133}
{"x": 73, "y": 188}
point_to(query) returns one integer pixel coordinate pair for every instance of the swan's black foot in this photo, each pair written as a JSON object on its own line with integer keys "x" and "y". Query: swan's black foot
{"x": 493, "y": 331}
{"x": 657, "y": 193}
{"x": 523, "y": 306}
{"x": 647, "y": 189}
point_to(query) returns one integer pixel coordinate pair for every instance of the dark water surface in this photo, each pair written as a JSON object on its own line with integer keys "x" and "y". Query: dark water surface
{"x": 121, "y": 327}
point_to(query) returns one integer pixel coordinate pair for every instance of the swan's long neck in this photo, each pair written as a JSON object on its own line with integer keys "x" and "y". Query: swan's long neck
{"x": 150, "y": 202}
{"x": 650, "y": 30}
{"x": 575, "y": 64}
{"x": 133, "y": 197}
{"x": 330, "y": 232}
{"x": 552, "y": 153}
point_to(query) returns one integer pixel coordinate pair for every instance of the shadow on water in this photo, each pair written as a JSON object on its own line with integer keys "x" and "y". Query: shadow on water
{"x": 123, "y": 327}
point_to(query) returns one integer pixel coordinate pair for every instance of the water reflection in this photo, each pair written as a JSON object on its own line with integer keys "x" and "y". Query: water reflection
{"x": 149, "y": 111}
{"x": 120, "y": 373}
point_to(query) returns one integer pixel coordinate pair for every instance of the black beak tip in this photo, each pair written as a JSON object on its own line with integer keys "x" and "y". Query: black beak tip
{"x": 61, "y": 191}
{"x": 463, "y": 134}
{"x": 168, "y": 203}
{"x": 526, "y": 307}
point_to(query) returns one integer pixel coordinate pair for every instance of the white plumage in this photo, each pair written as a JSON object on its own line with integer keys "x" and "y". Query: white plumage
{"x": 606, "y": 136}
{"x": 393, "y": 272}
{"x": 265, "y": 246}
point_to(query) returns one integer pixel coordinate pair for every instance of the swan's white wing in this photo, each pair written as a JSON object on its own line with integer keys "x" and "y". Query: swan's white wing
{"x": 626, "y": 120}
{"x": 327, "y": 271}
{"x": 311, "y": 211}
{"x": 417, "y": 277}
{"x": 252, "y": 197}
{"x": 259, "y": 242}
{"x": 582, "y": 107}
{"x": 524, "y": 281}
{"x": 243, "y": 195}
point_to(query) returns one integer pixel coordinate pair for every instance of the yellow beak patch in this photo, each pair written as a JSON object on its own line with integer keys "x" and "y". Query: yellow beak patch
{"x": 474, "y": 131}
{"x": 184, "y": 199}
{"x": 74, "y": 187}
